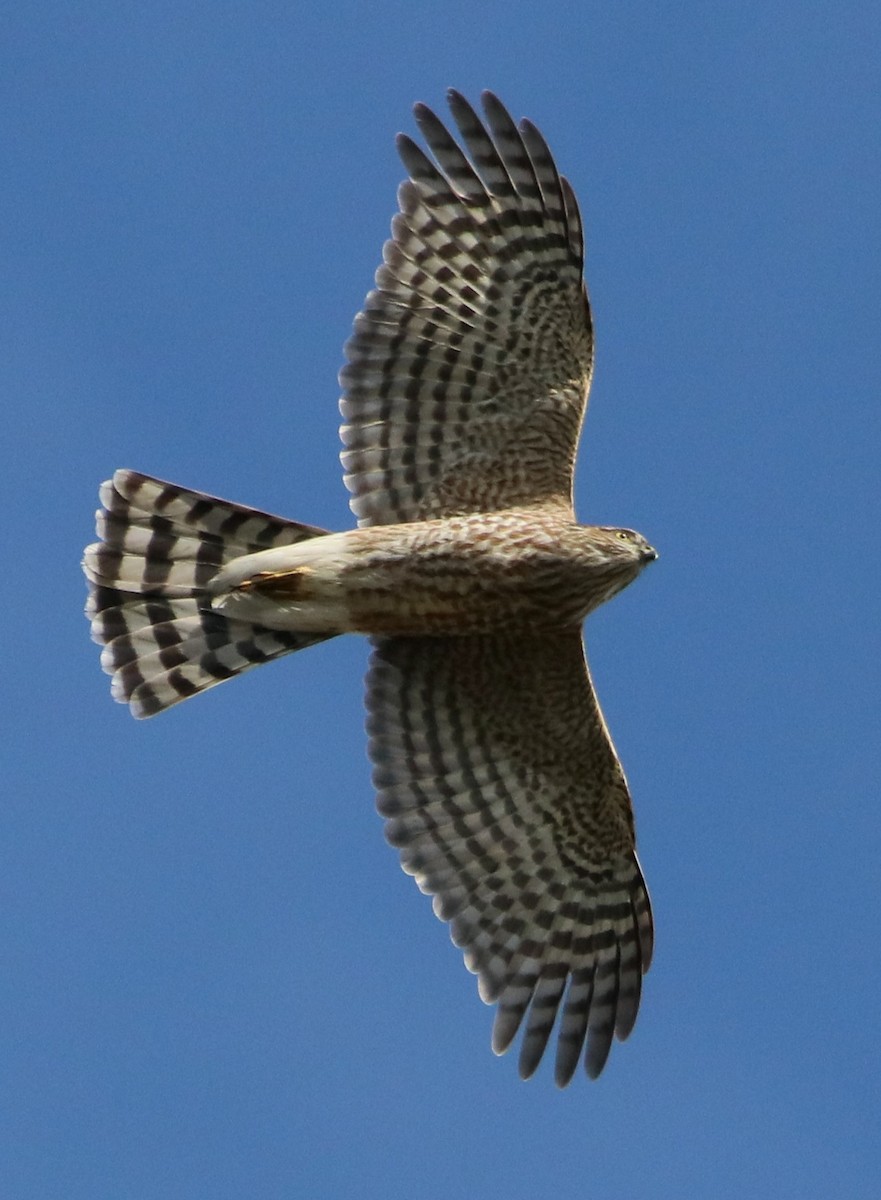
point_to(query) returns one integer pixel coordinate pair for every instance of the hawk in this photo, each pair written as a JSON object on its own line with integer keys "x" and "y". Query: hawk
{"x": 463, "y": 397}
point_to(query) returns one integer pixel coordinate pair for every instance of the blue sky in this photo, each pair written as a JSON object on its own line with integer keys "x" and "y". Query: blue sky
{"x": 216, "y": 981}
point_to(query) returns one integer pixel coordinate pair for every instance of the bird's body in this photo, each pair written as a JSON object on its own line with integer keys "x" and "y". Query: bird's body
{"x": 518, "y": 570}
{"x": 464, "y": 393}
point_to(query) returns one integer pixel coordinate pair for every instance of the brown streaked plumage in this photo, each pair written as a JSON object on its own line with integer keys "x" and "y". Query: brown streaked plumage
{"x": 464, "y": 393}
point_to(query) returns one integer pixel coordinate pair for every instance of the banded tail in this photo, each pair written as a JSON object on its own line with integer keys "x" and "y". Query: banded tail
{"x": 160, "y": 545}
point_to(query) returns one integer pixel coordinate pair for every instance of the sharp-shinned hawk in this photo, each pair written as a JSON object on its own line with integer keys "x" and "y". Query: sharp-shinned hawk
{"x": 463, "y": 396}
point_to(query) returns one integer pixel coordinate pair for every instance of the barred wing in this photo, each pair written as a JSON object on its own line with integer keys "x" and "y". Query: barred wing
{"x": 502, "y": 790}
{"x": 469, "y": 367}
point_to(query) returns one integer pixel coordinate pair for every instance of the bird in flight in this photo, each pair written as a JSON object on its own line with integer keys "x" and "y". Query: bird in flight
{"x": 464, "y": 391}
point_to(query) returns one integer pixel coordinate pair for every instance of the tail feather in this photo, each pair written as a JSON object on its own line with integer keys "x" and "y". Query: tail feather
{"x": 160, "y": 545}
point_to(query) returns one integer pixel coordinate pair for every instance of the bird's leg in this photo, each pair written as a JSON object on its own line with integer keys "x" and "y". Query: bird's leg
{"x": 278, "y": 585}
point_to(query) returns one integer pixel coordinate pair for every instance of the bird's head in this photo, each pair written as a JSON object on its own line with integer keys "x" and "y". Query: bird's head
{"x": 613, "y": 558}
{"x": 624, "y": 547}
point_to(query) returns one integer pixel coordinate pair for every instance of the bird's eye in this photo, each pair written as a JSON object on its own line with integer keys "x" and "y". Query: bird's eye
{"x": 622, "y": 534}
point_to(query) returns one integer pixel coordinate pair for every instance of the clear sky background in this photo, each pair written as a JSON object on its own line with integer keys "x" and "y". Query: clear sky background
{"x": 216, "y": 983}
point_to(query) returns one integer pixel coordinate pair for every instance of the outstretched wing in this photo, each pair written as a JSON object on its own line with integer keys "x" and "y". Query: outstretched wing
{"x": 469, "y": 367}
{"x": 503, "y": 792}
